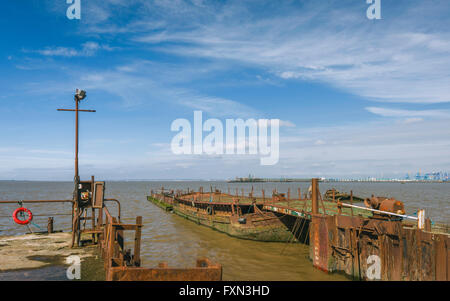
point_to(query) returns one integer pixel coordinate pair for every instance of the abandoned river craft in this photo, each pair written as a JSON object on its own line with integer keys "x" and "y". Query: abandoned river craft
{"x": 236, "y": 215}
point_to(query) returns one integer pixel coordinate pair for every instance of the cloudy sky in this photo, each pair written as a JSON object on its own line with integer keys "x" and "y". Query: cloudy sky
{"x": 356, "y": 97}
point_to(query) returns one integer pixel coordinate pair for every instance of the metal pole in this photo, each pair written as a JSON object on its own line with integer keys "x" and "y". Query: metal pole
{"x": 76, "y": 208}
{"x": 76, "y": 139}
{"x": 76, "y": 224}
{"x": 314, "y": 199}
{"x": 379, "y": 211}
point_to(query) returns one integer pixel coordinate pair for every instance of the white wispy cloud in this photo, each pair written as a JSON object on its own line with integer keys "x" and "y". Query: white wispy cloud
{"x": 145, "y": 82}
{"x": 412, "y": 120}
{"x": 287, "y": 123}
{"x": 387, "y": 112}
{"x": 87, "y": 49}
{"x": 399, "y": 59}
{"x": 403, "y": 58}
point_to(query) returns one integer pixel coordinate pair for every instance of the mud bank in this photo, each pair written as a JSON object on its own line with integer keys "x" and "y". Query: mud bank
{"x": 43, "y": 257}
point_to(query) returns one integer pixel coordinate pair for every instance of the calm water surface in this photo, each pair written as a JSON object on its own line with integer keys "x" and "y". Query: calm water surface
{"x": 167, "y": 237}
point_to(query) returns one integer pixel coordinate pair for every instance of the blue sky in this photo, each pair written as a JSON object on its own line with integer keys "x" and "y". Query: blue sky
{"x": 356, "y": 97}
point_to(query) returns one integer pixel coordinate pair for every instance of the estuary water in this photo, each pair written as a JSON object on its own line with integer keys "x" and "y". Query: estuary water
{"x": 167, "y": 237}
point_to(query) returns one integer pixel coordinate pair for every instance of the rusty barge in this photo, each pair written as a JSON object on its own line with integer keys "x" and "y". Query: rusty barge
{"x": 376, "y": 241}
{"x": 237, "y": 217}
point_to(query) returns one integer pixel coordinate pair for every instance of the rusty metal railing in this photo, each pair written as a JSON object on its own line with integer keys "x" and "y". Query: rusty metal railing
{"x": 35, "y": 201}
{"x": 122, "y": 264}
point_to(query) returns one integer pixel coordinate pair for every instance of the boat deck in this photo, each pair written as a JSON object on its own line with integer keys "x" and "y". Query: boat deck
{"x": 304, "y": 208}
{"x": 294, "y": 207}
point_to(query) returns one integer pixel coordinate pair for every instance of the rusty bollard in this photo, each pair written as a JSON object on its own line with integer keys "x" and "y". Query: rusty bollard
{"x": 428, "y": 224}
{"x": 50, "y": 225}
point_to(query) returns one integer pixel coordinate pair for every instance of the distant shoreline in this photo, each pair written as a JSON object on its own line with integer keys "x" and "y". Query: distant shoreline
{"x": 384, "y": 181}
{"x": 332, "y": 181}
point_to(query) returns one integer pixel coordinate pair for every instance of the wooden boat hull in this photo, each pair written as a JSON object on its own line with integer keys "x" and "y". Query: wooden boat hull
{"x": 259, "y": 227}
{"x": 159, "y": 203}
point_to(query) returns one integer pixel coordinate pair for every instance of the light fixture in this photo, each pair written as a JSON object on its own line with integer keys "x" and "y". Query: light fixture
{"x": 80, "y": 94}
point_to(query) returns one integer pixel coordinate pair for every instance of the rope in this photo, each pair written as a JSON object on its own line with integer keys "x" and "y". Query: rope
{"x": 29, "y": 228}
{"x": 36, "y": 225}
{"x": 294, "y": 231}
{"x": 307, "y": 233}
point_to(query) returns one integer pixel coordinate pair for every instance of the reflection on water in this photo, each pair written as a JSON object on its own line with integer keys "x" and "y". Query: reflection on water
{"x": 167, "y": 237}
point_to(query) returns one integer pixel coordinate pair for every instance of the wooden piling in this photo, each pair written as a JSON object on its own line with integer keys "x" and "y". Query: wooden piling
{"x": 137, "y": 242}
{"x": 50, "y": 225}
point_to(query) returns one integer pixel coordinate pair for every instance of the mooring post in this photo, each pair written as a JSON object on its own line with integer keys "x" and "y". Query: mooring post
{"x": 93, "y": 209}
{"x": 299, "y": 194}
{"x": 73, "y": 212}
{"x": 427, "y": 224}
{"x": 421, "y": 219}
{"x": 314, "y": 199}
{"x": 351, "y": 201}
{"x": 93, "y": 224}
{"x": 137, "y": 242}
{"x": 50, "y": 225}
{"x": 264, "y": 196}
{"x": 100, "y": 219}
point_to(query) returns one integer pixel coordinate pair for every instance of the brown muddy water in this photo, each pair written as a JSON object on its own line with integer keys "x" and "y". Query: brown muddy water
{"x": 167, "y": 237}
